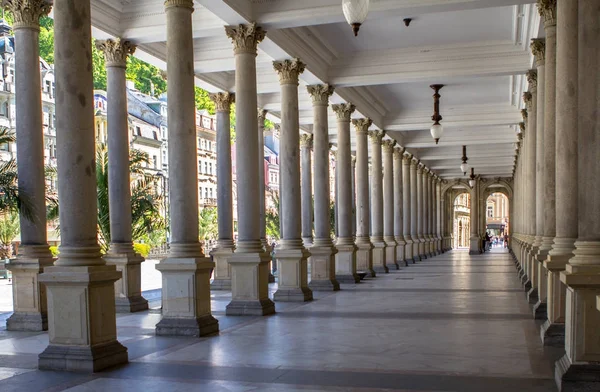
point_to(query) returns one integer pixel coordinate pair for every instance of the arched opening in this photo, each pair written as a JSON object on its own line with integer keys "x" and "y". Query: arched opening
{"x": 497, "y": 222}
{"x": 461, "y": 217}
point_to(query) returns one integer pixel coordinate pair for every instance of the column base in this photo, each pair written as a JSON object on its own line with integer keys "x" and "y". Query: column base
{"x": 82, "y": 326}
{"x": 532, "y": 296}
{"x": 379, "y": 258}
{"x": 322, "y": 262}
{"x": 128, "y": 289}
{"x": 553, "y": 334}
{"x": 249, "y": 285}
{"x": 186, "y": 297}
{"x": 390, "y": 254}
{"x": 28, "y": 322}
{"x": 293, "y": 275}
{"x": 345, "y": 261}
{"x": 267, "y": 256}
{"x": 569, "y": 377}
{"x": 222, "y": 271}
{"x": 83, "y": 359}
{"x": 364, "y": 257}
{"x": 540, "y": 311}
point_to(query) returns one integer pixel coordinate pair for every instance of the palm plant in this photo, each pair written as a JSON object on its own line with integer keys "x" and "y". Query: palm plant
{"x": 9, "y": 229}
{"x": 10, "y": 197}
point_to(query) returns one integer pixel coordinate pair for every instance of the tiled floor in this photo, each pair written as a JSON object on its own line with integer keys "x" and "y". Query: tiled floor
{"x": 450, "y": 323}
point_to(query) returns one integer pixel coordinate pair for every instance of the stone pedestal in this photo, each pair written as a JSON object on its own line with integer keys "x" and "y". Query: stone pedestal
{"x": 222, "y": 271}
{"x": 293, "y": 275}
{"x": 345, "y": 263}
{"x": 390, "y": 254}
{"x": 249, "y": 286}
{"x": 128, "y": 289}
{"x": 379, "y": 259}
{"x": 186, "y": 297}
{"x": 81, "y": 318}
{"x": 322, "y": 262}
{"x": 364, "y": 256}
{"x": 29, "y": 296}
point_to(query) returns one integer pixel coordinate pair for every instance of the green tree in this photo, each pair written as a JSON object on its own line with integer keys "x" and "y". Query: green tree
{"x": 9, "y": 229}
{"x": 98, "y": 68}
{"x": 47, "y": 39}
{"x": 208, "y": 224}
{"x": 272, "y": 218}
{"x": 147, "y": 78}
{"x": 10, "y": 198}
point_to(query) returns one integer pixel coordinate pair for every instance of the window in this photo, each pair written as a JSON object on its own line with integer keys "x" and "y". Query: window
{"x": 202, "y": 144}
{"x": 210, "y": 168}
{"x": 155, "y": 159}
{"x": 206, "y": 193}
{"x": 209, "y": 148}
{"x": 200, "y": 189}
{"x": 205, "y": 167}
{"x": 48, "y": 86}
{"x": 138, "y": 131}
{"x": 490, "y": 211}
{"x": 211, "y": 193}
{"x": 200, "y": 168}
{"x": 155, "y": 135}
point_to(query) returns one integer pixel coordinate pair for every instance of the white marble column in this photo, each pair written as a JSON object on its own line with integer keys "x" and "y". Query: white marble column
{"x": 475, "y": 239}
{"x": 30, "y": 311}
{"x": 128, "y": 289}
{"x": 388, "y": 204}
{"x": 548, "y": 12}
{"x": 414, "y": 209}
{"x": 186, "y": 271}
{"x": 322, "y": 252}
{"x": 345, "y": 259}
{"x": 530, "y": 175}
{"x": 292, "y": 256}
{"x": 427, "y": 211}
{"x": 379, "y": 256}
{"x": 579, "y": 369}
{"x": 353, "y": 186}
{"x": 249, "y": 265}
{"x": 438, "y": 216}
{"x": 266, "y": 255}
{"x": 553, "y": 330}
{"x": 225, "y": 245}
{"x": 407, "y": 207}
{"x": 82, "y": 328}
{"x": 420, "y": 208}
{"x": 399, "y": 207}
{"x": 538, "y": 49}
{"x": 364, "y": 255}
{"x": 306, "y": 145}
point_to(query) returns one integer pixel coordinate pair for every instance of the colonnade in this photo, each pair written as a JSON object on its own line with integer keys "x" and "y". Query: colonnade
{"x": 556, "y": 244}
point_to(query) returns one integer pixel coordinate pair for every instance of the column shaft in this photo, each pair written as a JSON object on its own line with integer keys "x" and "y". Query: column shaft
{"x": 414, "y": 209}
{"x": 364, "y": 255}
{"x": 388, "y": 204}
{"x": 306, "y": 141}
{"x": 398, "y": 207}
{"x": 407, "y": 207}
{"x": 420, "y": 214}
{"x": 379, "y": 256}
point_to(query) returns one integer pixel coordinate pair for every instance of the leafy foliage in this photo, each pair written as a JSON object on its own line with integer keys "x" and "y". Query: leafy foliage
{"x": 9, "y": 229}
{"x": 208, "y": 226}
{"x": 272, "y": 218}
{"x": 142, "y": 249}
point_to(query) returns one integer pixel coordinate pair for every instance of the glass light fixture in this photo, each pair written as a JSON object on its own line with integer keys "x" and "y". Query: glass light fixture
{"x": 355, "y": 12}
{"x": 472, "y": 180}
{"x": 437, "y": 129}
{"x": 464, "y": 166}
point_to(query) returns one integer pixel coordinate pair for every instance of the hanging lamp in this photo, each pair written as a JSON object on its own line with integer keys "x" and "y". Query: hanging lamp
{"x": 464, "y": 166}
{"x": 436, "y": 129}
{"x": 355, "y": 12}
{"x": 472, "y": 179}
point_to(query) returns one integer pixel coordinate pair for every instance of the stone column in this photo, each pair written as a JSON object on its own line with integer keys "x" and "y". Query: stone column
{"x": 186, "y": 271}
{"x": 306, "y": 144}
{"x": 128, "y": 290}
{"x": 475, "y": 240}
{"x": 388, "y": 204}
{"x": 427, "y": 211}
{"x": 335, "y": 186}
{"x": 292, "y": 256}
{"x": 579, "y": 369}
{"x": 553, "y": 330}
{"x": 420, "y": 208}
{"x": 345, "y": 259}
{"x": 266, "y": 255}
{"x": 379, "y": 257}
{"x": 414, "y": 209}
{"x": 364, "y": 255}
{"x": 548, "y": 12}
{"x": 530, "y": 175}
{"x": 438, "y": 207}
{"x": 538, "y": 49}
{"x": 407, "y": 207}
{"x": 225, "y": 246}
{"x": 322, "y": 253}
{"x": 29, "y": 296}
{"x": 398, "y": 207}
{"x": 82, "y": 328}
{"x": 249, "y": 266}
{"x": 353, "y": 186}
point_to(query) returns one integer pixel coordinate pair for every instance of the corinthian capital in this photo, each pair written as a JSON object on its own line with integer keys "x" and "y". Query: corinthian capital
{"x": 115, "y": 51}
{"x": 306, "y": 140}
{"x": 289, "y": 70}
{"x": 522, "y": 126}
{"x": 407, "y": 158}
{"x": 547, "y": 9}
{"x": 532, "y": 80}
{"x": 320, "y": 93}
{"x": 343, "y": 111}
{"x": 538, "y": 48}
{"x": 245, "y": 37}
{"x": 527, "y": 99}
{"x": 27, "y": 13}
{"x": 262, "y": 116}
{"x": 223, "y": 101}
{"x": 376, "y": 136}
{"x": 362, "y": 125}
{"x": 524, "y": 114}
{"x": 388, "y": 145}
{"x": 399, "y": 152}
{"x": 179, "y": 3}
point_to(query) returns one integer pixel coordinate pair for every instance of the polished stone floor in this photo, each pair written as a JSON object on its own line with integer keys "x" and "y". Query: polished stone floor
{"x": 450, "y": 323}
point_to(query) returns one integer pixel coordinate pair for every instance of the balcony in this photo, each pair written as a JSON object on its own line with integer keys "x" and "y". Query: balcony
{"x": 208, "y": 202}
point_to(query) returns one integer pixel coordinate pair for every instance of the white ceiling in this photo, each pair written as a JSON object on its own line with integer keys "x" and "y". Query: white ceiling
{"x": 477, "y": 48}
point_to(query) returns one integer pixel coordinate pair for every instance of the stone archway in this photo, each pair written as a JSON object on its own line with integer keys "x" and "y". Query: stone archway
{"x": 495, "y": 185}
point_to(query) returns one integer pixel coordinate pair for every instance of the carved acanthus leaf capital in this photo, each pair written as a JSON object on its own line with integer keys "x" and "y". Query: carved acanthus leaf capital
{"x": 27, "y": 13}
{"x": 522, "y": 126}
{"x": 520, "y": 136}
{"x": 415, "y": 162}
{"x": 388, "y": 146}
{"x": 306, "y": 140}
{"x": 524, "y": 114}
{"x": 343, "y": 111}
{"x": 399, "y": 152}
{"x": 527, "y": 97}
{"x": 289, "y": 70}
{"x": 376, "y": 136}
{"x": 532, "y": 80}
{"x": 547, "y": 9}
{"x": 362, "y": 125}
{"x": 407, "y": 158}
{"x": 245, "y": 37}
{"x": 320, "y": 93}
{"x": 115, "y": 51}
{"x": 538, "y": 48}
{"x": 353, "y": 160}
{"x": 223, "y": 101}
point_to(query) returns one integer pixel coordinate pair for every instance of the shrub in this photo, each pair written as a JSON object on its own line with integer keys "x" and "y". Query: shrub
{"x": 54, "y": 251}
{"x": 142, "y": 249}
